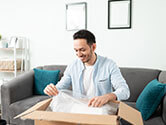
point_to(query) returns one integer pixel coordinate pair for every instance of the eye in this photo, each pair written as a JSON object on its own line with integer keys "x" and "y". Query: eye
{"x": 82, "y": 50}
{"x": 76, "y": 50}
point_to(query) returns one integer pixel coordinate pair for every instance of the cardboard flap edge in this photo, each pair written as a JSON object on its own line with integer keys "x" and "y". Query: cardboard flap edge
{"x": 71, "y": 118}
{"x": 130, "y": 114}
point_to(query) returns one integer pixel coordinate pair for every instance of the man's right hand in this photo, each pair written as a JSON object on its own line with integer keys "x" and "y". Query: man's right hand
{"x": 51, "y": 90}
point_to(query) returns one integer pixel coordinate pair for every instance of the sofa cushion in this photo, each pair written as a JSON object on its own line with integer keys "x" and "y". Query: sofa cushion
{"x": 22, "y": 105}
{"x": 154, "y": 121}
{"x": 150, "y": 98}
{"x": 43, "y": 78}
{"x": 137, "y": 78}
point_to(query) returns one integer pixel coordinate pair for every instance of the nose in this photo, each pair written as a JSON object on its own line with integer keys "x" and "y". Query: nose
{"x": 79, "y": 54}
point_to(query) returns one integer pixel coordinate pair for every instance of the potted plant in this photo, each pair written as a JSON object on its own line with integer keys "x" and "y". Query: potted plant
{"x": 0, "y": 41}
{"x": 3, "y": 42}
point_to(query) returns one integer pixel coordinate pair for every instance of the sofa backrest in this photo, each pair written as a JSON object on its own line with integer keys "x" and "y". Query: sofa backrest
{"x": 137, "y": 79}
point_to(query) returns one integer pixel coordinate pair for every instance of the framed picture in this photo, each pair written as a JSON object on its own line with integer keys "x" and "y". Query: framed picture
{"x": 76, "y": 16}
{"x": 119, "y": 14}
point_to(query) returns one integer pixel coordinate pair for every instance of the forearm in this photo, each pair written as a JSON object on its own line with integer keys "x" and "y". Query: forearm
{"x": 64, "y": 83}
{"x": 119, "y": 84}
{"x": 122, "y": 93}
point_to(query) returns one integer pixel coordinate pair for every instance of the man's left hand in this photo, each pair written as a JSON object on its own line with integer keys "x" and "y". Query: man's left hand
{"x": 99, "y": 101}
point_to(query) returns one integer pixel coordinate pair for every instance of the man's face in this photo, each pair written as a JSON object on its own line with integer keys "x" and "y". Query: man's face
{"x": 83, "y": 50}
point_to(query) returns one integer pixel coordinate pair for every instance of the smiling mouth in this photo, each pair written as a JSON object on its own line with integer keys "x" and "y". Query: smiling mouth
{"x": 82, "y": 58}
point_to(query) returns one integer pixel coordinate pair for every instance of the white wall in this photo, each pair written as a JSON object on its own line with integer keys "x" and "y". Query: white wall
{"x": 43, "y": 22}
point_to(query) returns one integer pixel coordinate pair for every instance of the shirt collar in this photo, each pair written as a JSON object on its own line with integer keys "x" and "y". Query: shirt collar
{"x": 96, "y": 63}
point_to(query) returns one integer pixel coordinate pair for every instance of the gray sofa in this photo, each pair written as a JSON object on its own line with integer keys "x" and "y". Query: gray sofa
{"x": 17, "y": 95}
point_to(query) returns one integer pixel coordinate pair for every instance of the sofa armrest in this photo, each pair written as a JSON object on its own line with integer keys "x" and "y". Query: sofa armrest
{"x": 164, "y": 109}
{"x": 18, "y": 88}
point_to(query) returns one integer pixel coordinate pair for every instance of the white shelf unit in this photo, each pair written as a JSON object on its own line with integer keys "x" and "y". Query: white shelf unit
{"x": 17, "y": 51}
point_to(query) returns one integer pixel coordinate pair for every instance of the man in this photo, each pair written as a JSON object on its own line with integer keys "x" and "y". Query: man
{"x": 92, "y": 75}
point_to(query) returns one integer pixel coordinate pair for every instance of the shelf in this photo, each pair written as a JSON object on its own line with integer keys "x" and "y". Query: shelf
{"x": 12, "y": 71}
{"x": 11, "y": 49}
{"x": 18, "y": 48}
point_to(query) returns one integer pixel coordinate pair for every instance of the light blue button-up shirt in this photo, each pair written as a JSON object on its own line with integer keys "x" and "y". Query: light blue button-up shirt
{"x": 107, "y": 78}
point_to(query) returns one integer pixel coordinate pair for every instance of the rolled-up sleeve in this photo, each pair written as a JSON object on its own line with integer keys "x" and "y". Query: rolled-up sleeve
{"x": 119, "y": 84}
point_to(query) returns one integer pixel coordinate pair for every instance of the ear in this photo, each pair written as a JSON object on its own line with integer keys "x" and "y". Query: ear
{"x": 94, "y": 46}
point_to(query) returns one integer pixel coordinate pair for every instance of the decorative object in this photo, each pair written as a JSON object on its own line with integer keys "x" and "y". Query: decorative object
{"x": 7, "y": 64}
{"x": 150, "y": 98}
{"x": 119, "y": 14}
{"x": 3, "y": 43}
{"x": 76, "y": 16}
{"x": 13, "y": 41}
{"x": 43, "y": 78}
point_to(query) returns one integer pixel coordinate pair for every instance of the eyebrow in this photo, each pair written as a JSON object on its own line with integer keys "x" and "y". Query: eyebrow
{"x": 79, "y": 48}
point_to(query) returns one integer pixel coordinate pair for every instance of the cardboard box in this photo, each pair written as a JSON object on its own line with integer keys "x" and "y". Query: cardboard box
{"x": 39, "y": 114}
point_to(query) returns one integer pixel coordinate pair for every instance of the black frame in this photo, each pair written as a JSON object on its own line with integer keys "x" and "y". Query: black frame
{"x": 72, "y": 4}
{"x": 130, "y": 15}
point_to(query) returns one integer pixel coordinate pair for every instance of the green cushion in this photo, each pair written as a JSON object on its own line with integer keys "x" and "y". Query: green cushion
{"x": 43, "y": 78}
{"x": 150, "y": 98}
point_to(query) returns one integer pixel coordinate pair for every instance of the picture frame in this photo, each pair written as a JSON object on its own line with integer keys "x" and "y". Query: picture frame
{"x": 76, "y": 16}
{"x": 119, "y": 14}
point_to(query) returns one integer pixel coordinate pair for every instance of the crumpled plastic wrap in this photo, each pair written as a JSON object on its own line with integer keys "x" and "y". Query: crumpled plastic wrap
{"x": 66, "y": 102}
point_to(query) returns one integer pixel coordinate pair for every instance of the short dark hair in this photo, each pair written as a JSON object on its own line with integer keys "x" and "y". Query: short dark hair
{"x": 85, "y": 34}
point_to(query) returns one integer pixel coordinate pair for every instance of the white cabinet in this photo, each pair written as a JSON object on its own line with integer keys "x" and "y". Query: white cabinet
{"x": 15, "y": 58}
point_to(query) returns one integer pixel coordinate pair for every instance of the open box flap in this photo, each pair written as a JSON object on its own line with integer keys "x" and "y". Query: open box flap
{"x": 73, "y": 118}
{"x": 39, "y": 106}
{"x": 130, "y": 114}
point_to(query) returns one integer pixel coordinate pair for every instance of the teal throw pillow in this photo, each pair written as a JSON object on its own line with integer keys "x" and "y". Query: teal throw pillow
{"x": 43, "y": 78}
{"x": 150, "y": 98}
